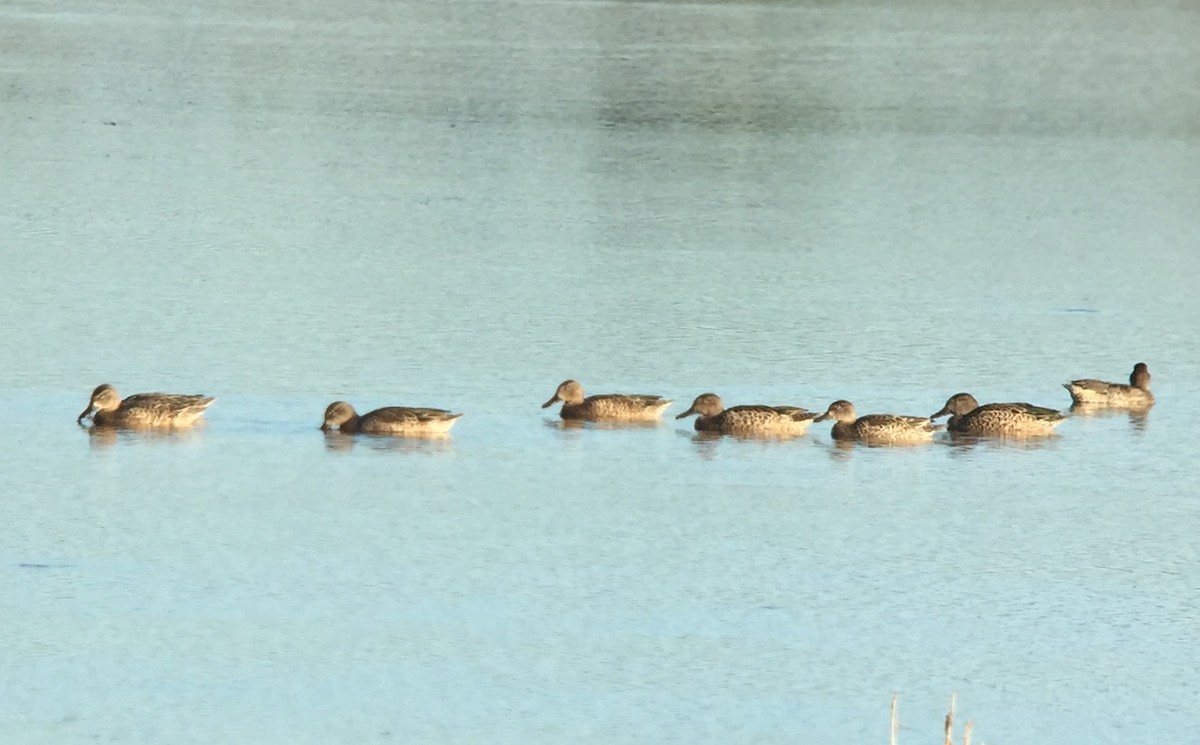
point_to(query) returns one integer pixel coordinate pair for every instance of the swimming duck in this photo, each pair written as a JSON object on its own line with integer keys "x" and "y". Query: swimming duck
{"x": 390, "y": 420}
{"x": 627, "y": 407}
{"x": 1136, "y": 395}
{"x": 1003, "y": 419}
{"x": 749, "y": 419}
{"x": 880, "y": 429}
{"x": 143, "y": 410}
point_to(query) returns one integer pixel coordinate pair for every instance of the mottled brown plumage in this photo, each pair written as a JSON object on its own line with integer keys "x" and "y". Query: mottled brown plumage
{"x": 877, "y": 429}
{"x": 1136, "y": 395}
{"x": 626, "y": 407}
{"x": 143, "y": 410}
{"x": 1000, "y": 419}
{"x": 390, "y": 420}
{"x": 748, "y": 419}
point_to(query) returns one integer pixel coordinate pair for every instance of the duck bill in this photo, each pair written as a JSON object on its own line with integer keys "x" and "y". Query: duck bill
{"x": 88, "y": 410}
{"x": 822, "y": 417}
{"x": 941, "y": 412}
{"x": 550, "y": 403}
{"x": 687, "y": 413}
{"x": 325, "y": 427}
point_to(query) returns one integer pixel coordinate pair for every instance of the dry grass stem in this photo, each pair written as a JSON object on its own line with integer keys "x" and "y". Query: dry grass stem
{"x": 950, "y": 721}
{"x": 895, "y": 721}
{"x": 949, "y": 739}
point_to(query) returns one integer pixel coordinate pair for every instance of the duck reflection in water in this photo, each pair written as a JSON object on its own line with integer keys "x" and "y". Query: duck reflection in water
{"x": 1138, "y": 418}
{"x": 337, "y": 442}
{"x": 103, "y": 438}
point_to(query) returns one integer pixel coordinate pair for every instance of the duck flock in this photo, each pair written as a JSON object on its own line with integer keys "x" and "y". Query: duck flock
{"x": 967, "y": 417}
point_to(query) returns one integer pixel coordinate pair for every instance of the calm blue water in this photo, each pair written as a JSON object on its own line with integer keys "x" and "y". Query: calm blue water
{"x": 460, "y": 205}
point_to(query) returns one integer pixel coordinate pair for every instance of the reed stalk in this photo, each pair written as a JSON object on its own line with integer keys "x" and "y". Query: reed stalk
{"x": 949, "y": 738}
{"x": 895, "y": 720}
{"x": 950, "y": 720}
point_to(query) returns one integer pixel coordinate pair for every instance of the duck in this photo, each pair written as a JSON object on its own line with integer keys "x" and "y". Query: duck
{"x": 748, "y": 419}
{"x": 1001, "y": 419}
{"x": 620, "y": 407}
{"x": 877, "y": 429}
{"x": 390, "y": 420}
{"x": 143, "y": 410}
{"x": 1136, "y": 395}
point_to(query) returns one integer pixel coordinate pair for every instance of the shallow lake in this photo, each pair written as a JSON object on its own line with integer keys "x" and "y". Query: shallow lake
{"x": 461, "y": 204}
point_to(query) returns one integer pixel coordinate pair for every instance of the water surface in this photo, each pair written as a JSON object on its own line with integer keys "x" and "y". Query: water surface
{"x": 460, "y": 205}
